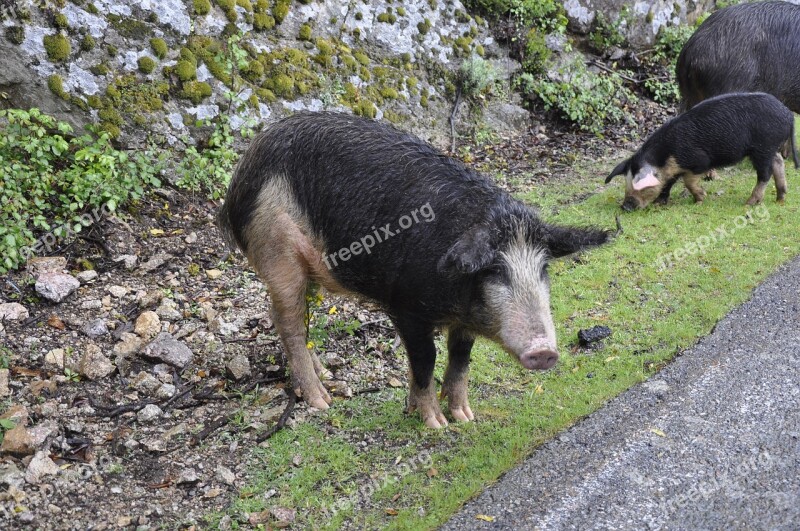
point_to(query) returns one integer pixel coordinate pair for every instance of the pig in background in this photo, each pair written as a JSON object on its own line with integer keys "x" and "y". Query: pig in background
{"x": 750, "y": 47}
{"x": 717, "y": 132}
{"x": 313, "y": 186}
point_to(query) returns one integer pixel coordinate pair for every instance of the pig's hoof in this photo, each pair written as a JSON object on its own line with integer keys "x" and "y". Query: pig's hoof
{"x": 462, "y": 413}
{"x": 752, "y": 201}
{"x": 431, "y": 415}
{"x": 319, "y": 398}
{"x": 434, "y": 420}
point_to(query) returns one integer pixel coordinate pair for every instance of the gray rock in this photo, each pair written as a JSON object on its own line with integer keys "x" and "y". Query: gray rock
{"x": 13, "y": 311}
{"x": 117, "y": 291}
{"x": 155, "y": 262}
{"x": 165, "y": 391}
{"x": 43, "y": 432}
{"x": 225, "y": 475}
{"x": 506, "y": 118}
{"x": 168, "y": 310}
{"x": 169, "y": 350}
{"x": 222, "y": 327}
{"x": 10, "y": 475}
{"x": 92, "y": 304}
{"x": 94, "y": 365}
{"x": 239, "y": 367}
{"x": 128, "y": 260}
{"x": 129, "y": 344}
{"x": 188, "y": 475}
{"x": 56, "y": 287}
{"x": 4, "y": 390}
{"x": 149, "y": 413}
{"x": 55, "y": 358}
{"x": 95, "y": 329}
{"x": 41, "y": 465}
{"x": 145, "y": 382}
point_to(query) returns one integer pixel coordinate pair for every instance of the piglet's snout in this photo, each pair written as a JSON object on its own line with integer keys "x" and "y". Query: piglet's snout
{"x": 540, "y": 355}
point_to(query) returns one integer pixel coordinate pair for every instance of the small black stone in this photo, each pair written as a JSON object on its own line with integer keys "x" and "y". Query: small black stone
{"x": 591, "y": 335}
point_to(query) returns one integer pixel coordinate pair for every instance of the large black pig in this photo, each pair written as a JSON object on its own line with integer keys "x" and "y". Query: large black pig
{"x": 717, "y": 132}
{"x": 749, "y": 47}
{"x": 360, "y": 207}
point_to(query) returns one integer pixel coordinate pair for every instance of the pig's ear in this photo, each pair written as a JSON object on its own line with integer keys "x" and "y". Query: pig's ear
{"x": 621, "y": 168}
{"x": 472, "y": 252}
{"x": 562, "y": 241}
{"x": 645, "y": 180}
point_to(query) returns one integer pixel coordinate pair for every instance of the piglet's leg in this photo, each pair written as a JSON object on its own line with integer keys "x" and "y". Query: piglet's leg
{"x": 764, "y": 169}
{"x": 418, "y": 340}
{"x": 779, "y": 174}
{"x": 692, "y": 183}
{"x": 459, "y": 345}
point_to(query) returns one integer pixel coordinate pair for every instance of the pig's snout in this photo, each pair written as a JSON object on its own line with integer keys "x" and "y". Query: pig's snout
{"x": 630, "y": 204}
{"x": 539, "y": 359}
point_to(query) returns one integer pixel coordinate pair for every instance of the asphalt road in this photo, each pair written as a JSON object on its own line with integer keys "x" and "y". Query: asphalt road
{"x": 711, "y": 442}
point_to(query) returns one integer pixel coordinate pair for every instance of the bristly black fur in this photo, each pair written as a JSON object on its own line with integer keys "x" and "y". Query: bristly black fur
{"x": 718, "y": 132}
{"x": 351, "y": 176}
{"x": 749, "y": 47}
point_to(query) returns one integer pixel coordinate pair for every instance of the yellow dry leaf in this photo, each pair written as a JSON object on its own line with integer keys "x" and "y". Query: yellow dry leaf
{"x": 611, "y": 358}
{"x": 658, "y": 432}
{"x": 485, "y": 517}
{"x": 156, "y": 232}
{"x": 539, "y": 389}
{"x": 391, "y": 512}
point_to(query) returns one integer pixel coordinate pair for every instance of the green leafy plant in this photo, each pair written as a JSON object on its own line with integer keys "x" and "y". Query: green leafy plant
{"x": 666, "y": 49}
{"x": 6, "y": 425}
{"x": 476, "y": 76}
{"x": 605, "y": 34}
{"x": 71, "y": 375}
{"x": 208, "y": 171}
{"x": 590, "y": 100}
{"x": 50, "y": 179}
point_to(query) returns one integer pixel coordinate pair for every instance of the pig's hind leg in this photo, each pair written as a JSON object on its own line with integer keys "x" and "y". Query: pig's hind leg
{"x": 421, "y": 350}
{"x": 764, "y": 169}
{"x": 280, "y": 264}
{"x": 779, "y": 174}
{"x": 459, "y": 345}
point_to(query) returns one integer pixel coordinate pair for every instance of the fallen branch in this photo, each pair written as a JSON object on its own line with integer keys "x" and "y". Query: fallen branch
{"x": 453, "y": 120}
{"x": 601, "y": 66}
{"x": 211, "y": 428}
{"x": 281, "y": 421}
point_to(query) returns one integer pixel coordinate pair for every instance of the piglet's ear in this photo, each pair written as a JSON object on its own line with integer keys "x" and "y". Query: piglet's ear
{"x": 645, "y": 181}
{"x": 567, "y": 240}
{"x": 472, "y": 252}
{"x": 621, "y": 168}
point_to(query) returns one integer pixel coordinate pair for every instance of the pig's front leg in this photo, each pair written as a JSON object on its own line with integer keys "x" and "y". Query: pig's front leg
{"x": 459, "y": 346}
{"x": 421, "y": 350}
{"x": 692, "y": 183}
